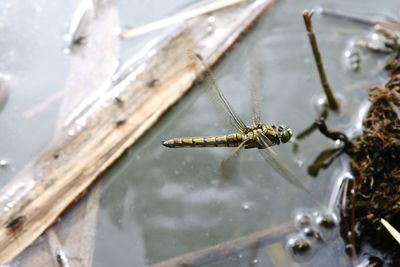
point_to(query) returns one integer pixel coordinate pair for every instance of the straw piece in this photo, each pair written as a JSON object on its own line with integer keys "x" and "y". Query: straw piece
{"x": 391, "y": 229}
{"x": 217, "y": 5}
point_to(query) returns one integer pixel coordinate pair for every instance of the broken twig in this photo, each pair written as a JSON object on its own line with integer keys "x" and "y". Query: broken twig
{"x": 332, "y": 102}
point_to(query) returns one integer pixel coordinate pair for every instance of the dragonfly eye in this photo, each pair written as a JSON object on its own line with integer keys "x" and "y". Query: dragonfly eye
{"x": 285, "y": 133}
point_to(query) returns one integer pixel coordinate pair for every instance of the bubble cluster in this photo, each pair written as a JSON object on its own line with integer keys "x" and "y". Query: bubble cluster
{"x": 313, "y": 229}
{"x": 352, "y": 58}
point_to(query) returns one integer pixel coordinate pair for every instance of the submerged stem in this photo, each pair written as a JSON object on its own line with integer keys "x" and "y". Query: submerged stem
{"x": 369, "y": 21}
{"x": 332, "y": 102}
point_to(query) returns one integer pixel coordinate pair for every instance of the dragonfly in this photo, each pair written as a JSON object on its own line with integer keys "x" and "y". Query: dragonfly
{"x": 258, "y": 135}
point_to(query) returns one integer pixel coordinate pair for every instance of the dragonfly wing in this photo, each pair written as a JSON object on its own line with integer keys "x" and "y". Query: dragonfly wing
{"x": 228, "y": 166}
{"x": 217, "y": 96}
{"x": 256, "y": 104}
{"x": 256, "y": 94}
{"x": 272, "y": 159}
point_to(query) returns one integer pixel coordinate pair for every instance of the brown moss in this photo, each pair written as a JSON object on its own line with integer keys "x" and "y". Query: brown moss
{"x": 375, "y": 164}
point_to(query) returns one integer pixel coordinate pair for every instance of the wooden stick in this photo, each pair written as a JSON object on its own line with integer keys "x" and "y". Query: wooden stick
{"x": 97, "y": 138}
{"x": 230, "y": 248}
{"x": 332, "y": 102}
{"x": 214, "y": 6}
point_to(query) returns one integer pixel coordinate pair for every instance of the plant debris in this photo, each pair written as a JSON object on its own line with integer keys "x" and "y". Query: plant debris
{"x": 373, "y": 194}
{"x": 374, "y": 155}
{"x": 375, "y": 164}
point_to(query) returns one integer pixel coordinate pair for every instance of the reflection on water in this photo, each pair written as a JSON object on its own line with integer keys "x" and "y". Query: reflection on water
{"x": 34, "y": 68}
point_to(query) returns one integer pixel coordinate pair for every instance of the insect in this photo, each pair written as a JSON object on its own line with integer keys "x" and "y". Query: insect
{"x": 257, "y": 135}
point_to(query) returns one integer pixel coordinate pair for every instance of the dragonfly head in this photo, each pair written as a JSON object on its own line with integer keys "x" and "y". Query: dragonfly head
{"x": 284, "y": 133}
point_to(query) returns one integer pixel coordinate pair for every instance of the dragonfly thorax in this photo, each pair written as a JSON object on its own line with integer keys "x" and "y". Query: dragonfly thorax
{"x": 276, "y": 134}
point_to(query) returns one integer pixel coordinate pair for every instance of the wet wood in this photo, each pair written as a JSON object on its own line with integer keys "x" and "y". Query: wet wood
{"x": 108, "y": 123}
{"x": 70, "y": 241}
{"x": 230, "y": 248}
{"x": 3, "y": 92}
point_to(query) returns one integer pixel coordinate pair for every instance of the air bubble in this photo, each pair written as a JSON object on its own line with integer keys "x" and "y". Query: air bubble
{"x": 300, "y": 248}
{"x": 211, "y": 19}
{"x": 320, "y": 103}
{"x": 300, "y": 163}
{"x": 302, "y": 220}
{"x": 3, "y": 163}
{"x": 325, "y": 220}
{"x": 211, "y": 24}
{"x": 352, "y": 58}
{"x": 246, "y": 206}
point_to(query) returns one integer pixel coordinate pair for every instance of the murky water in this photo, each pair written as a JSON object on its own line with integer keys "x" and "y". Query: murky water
{"x": 33, "y": 67}
{"x": 158, "y": 203}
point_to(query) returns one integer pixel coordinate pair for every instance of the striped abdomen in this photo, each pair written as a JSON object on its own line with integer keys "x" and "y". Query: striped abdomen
{"x": 229, "y": 140}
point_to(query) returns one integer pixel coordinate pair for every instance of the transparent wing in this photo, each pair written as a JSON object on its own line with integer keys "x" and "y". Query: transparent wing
{"x": 229, "y": 165}
{"x": 217, "y": 96}
{"x": 272, "y": 159}
{"x": 256, "y": 94}
{"x": 256, "y": 98}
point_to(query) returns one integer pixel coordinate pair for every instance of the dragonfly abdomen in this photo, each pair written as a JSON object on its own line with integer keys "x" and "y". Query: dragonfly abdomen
{"x": 228, "y": 140}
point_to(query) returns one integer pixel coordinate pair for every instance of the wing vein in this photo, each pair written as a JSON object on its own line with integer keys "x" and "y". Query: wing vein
{"x": 218, "y": 97}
